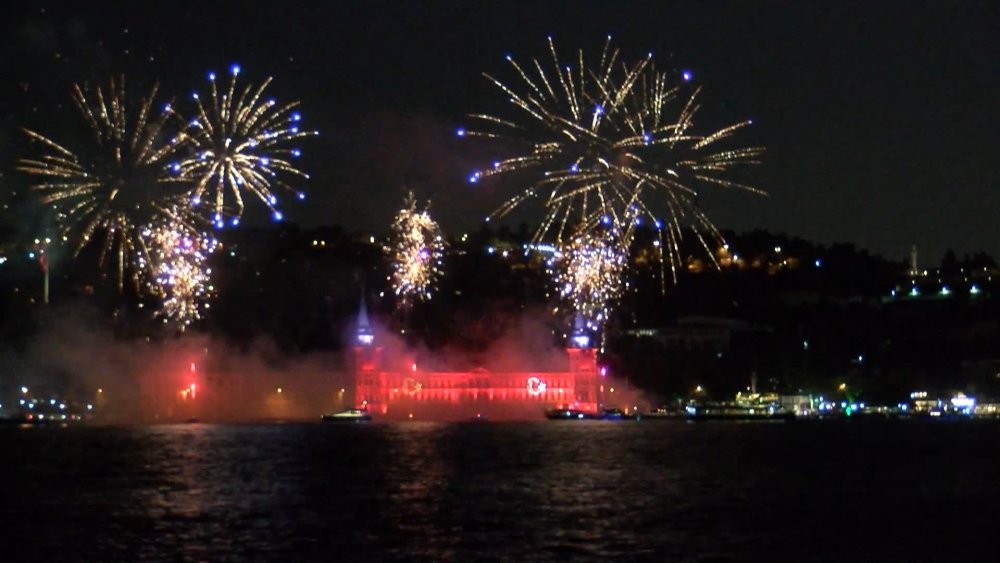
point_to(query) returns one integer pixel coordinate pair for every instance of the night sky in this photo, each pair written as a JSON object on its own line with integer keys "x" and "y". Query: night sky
{"x": 879, "y": 117}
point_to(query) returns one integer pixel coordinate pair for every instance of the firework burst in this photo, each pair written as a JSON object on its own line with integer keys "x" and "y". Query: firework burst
{"x": 415, "y": 251}
{"x": 113, "y": 183}
{"x": 241, "y": 145}
{"x": 587, "y": 273}
{"x": 613, "y": 145}
{"x": 180, "y": 273}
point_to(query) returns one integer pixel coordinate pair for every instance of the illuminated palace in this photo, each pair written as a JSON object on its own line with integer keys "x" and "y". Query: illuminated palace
{"x": 406, "y": 391}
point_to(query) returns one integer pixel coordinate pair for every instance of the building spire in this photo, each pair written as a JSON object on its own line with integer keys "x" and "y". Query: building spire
{"x": 362, "y": 314}
{"x": 580, "y": 338}
{"x": 365, "y": 336}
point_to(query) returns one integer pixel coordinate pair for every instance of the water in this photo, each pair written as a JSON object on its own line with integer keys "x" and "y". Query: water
{"x": 658, "y": 491}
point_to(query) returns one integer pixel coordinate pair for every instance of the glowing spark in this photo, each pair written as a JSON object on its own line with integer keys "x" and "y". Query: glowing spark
{"x": 609, "y": 143}
{"x": 112, "y": 180}
{"x": 415, "y": 250}
{"x": 241, "y": 146}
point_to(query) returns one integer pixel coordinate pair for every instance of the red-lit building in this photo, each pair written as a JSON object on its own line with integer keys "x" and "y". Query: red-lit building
{"x": 405, "y": 391}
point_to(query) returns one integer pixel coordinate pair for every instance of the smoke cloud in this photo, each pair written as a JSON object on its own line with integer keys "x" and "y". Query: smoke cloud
{"x": 76, "y": 358}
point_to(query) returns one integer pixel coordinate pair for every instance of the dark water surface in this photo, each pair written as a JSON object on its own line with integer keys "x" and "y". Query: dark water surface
{"x": 658, "y": 491}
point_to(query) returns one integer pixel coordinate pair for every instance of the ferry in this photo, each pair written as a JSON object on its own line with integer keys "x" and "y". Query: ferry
{"x": 568, "y": 413}
{"x": 35, "y": 409}
{"x": 349, "y": 415}
{"x": 42, "y": 419}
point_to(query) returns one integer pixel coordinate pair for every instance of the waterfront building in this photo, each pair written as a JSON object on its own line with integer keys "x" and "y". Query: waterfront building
{"x": 399, "y": 388}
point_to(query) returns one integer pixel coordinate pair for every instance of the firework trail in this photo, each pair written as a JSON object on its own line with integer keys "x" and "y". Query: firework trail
{"x": 612, "y": 144}
{"x": 415, "y": 251}
{"x": 241, "y": 145}
{"x": 115, "y": 180}
{"x": 180, "y": 275}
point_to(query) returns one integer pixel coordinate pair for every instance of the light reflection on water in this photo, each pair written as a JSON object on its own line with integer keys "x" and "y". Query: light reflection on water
{"x": 522, "y": 491}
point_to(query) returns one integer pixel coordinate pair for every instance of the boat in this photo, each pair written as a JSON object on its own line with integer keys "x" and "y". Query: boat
{"x": 41, "y": 420}
{"x": 664, "y": 413}
{"x": 566, "y": 413}
{"x": 42, "y": 410}
{"x": 614, "y": 414}
{"x": 349, "y": 415}
{"x": 569, "y": 413}
{"x": 735, "y": 412}
{"x": 13, "y": 420}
